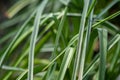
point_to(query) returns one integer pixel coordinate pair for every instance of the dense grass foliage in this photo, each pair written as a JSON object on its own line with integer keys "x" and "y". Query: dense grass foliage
{"x": 60, "y": 40}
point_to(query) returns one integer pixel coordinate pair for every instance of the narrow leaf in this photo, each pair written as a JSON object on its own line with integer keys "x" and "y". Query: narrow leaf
{"x": 103, "y": 53}
{"x": 33, "y": 39}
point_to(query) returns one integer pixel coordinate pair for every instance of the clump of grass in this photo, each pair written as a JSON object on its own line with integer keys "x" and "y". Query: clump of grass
{"x": 60, "y": 43}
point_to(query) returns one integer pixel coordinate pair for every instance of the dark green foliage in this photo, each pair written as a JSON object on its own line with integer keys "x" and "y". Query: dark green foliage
{"x": 60, "y": 40}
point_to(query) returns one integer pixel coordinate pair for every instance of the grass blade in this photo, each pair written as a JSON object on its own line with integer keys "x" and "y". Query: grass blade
{"x": 81, "y": 31}
{"x": 85, "y": 45}
{"x": 33, "y": 39}
{"x": 66, "y": 61}
{"x": 103, "y": 53}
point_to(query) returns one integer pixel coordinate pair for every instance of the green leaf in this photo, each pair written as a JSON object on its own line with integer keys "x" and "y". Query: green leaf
{"x": 103, "y": 53}
{"x": 66, "y": 61}
{"x": 33, "y": 39}
{"x": 80, "y": 40}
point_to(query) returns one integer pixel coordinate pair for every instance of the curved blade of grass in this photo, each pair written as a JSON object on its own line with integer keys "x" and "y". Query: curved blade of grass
{"x": 66, "y": 61}
{"x": 103, "y": 53}
{"x": 33, "y": 39}
{"x": 79, "y": 48}
{"x": 14, "y": 39}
